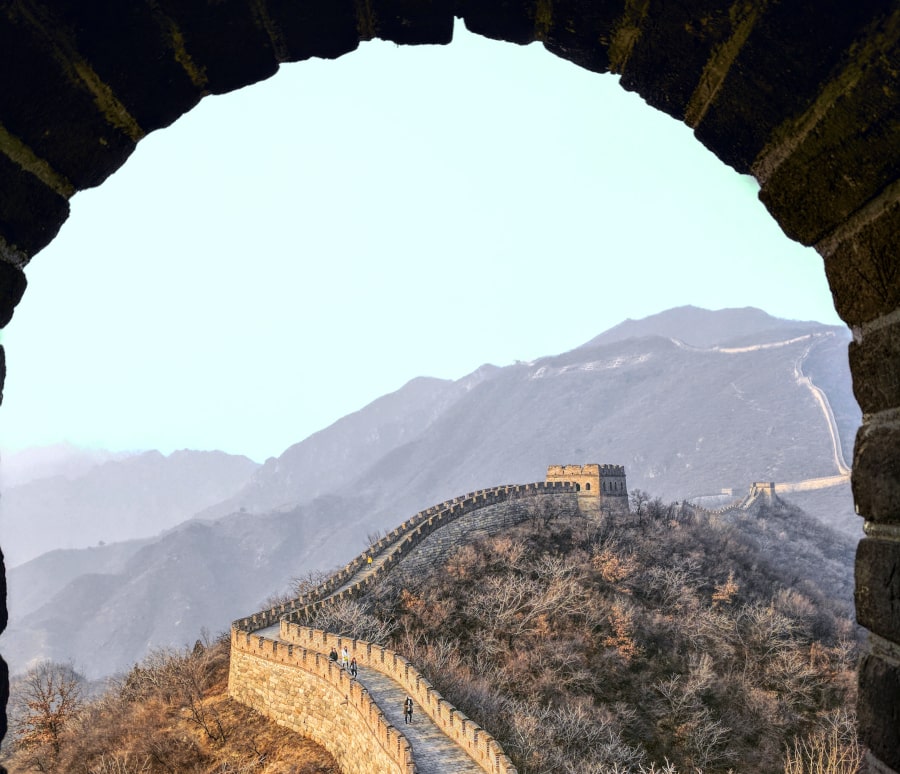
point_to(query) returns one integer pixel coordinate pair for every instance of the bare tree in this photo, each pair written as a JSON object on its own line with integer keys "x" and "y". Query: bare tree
{"x": 42, "y": 703}
{"x": 351, "y": 618}
{"x": 831, "y": 749}
{"x": 639, "y": 499}
{"x": 303, "y": 584}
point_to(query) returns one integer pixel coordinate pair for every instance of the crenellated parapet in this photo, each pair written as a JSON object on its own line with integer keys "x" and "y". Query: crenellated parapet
{"x": 337, "y": 712}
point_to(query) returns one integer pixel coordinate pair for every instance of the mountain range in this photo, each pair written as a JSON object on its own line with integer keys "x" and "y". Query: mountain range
{"x": 119, "y": 498}
{"x": 690, "y": 401}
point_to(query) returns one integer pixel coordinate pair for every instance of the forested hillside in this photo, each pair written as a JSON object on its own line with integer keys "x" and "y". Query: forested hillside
{"x": 665, "y": 637}
{"x": 171, "y": 713}
{"x": 663, "y": 640}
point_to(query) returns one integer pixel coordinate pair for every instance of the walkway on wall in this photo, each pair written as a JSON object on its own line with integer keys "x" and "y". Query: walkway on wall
{"x": 433, "y": 751}
{"x": 369, "y": 569}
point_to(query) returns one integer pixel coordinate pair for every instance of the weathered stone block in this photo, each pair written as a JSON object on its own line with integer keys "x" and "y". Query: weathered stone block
{"x": 876, "y": 472}
{"x": 674, "y": 46}
{"x": 52, "y": 112}
{"x": 511, "y": 20}
{"x": 878, "y": 709}
{"x": 413, "y": 21}
{"x": 753, "y": 101}
{"x": 321, "y": 28}
{"x": 31, "y": 214}
{"x": 832, "y": 173}
{"x": 878, "y": 587}
{"x": 12, "y": 286}
{"x": 134, "y": 51}
{"x": 875, "y": 362}
{"x": 864, "y": 271}
{"x": 226, "y": 40}
{"x": 580, "y": 32}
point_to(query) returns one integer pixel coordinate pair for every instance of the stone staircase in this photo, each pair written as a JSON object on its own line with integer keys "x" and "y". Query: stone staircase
{"x": 433, "y": 751}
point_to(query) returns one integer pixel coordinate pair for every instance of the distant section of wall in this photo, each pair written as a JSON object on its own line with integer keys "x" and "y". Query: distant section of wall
{"x": 304, "y": 691}
{"x": 812, "y": 484}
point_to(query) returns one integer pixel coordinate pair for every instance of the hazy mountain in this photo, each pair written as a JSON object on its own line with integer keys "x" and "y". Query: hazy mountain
{"x": 62, "y": 459}
{"x": 685, "y": 416}
{"x": 327, "y": 459}
{"x": 163, "y": 592}
{"x": 121, "y": 499}
{"x": 705, "y": 328}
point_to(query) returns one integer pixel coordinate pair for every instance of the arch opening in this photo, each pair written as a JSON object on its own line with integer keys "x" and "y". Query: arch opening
{"x": 847, "y": 208}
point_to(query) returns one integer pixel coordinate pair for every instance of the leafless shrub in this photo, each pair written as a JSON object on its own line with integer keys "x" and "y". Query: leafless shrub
{"x": 181, "y": 677}
{"x": 831, "y": 749}
{"x": 116, "y": 764}
{"x": 303, "y": 584}
{"x": 351, "y": 618}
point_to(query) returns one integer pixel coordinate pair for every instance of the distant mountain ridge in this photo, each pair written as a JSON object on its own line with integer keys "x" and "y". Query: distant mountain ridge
{"x": 704, "y": 328}
{"x": 118, "y": 499}
{"x": 684, "y": 421}
{"x": 63, "y": 459}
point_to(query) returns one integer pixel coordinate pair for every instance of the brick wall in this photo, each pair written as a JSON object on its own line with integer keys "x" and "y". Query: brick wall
{"x": 309, "y": 694}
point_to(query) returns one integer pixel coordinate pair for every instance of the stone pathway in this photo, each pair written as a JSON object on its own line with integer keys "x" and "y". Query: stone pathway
{"x": 367, "y": 569}
{"x": 434, "y": 752}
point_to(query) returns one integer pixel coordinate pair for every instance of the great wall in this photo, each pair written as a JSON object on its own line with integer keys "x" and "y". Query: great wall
{"x": 282, "y": 668}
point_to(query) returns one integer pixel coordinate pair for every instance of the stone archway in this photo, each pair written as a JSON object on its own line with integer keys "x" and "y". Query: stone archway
{"x": 803, "y": 95}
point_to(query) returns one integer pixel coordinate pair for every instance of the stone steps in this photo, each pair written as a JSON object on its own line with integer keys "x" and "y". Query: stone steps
{"x": 433, "y": 751}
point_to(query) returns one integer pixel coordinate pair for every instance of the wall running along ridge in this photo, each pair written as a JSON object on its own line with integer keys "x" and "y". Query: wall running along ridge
{"x": 300, "y": 660}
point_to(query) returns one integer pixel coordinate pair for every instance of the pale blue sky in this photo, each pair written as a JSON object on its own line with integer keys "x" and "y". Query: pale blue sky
{"x": 285, "y": 254}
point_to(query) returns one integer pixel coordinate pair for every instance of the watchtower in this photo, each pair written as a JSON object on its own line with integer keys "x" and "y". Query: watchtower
{"x": 599, "y": 487}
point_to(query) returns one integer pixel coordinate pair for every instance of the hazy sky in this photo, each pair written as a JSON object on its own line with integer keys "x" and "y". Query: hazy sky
{"x": 285, "y": 254}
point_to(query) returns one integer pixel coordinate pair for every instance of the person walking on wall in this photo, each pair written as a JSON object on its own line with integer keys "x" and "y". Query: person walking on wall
{"x": 333, "y": 655}
{"x": 407, "y": 710}
{"x": 353, "y": 667}
{"x": 345, "y": 658}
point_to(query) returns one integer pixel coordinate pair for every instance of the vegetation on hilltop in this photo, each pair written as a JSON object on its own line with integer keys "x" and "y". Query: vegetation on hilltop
{"x": 169, "y": 714}
{"x": 663, "y": 640}
{"x": 651, "y": 639}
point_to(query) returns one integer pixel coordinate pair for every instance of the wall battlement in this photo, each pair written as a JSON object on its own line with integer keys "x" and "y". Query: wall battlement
{"x": 338, "y": 713}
